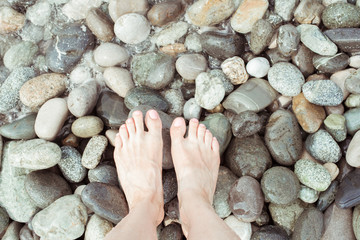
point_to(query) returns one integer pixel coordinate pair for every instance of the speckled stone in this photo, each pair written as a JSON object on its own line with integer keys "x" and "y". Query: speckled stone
{"x": 209, "y": 91}
{"x": 352, "y": 82}
{"x": 234, "y": 69}
{"x": 261, "y": 34}
{"x": 70, "y": 164}
{"x": 191, "y": 109}
{"x": 323, "y": 147}
{"x": 336, "y": 126}
{"x": 87, "y": 126}
{"x": 309, "y": 225}
{"x": 308, "y": 195}
{"x": 93, "y": 151}
{"x": 245, "y": 124}
{"x": 176, "y": 101}
{"x": 170, "y": 34}
{"x": 20, "y": 55}
{"x": 341, "y": 15}
{"x": 327, "y": 197}
{"x": 285, "y": 8}
{"x": 352, "y": 120}
{"x": 323, "y": 92}
{"x": 97, "y": 228}
{"x": 270, "y": 232}
{"x": 104, "y": 173}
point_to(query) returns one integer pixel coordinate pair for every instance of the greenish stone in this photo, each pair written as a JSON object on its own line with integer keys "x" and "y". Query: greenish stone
{"x": 352, "y": 117}
{"x": 312, "y": 174}
{"x": 353, "y": 101}
{"x": 341, "y": 15}
{"x": 20, "y": 55}
{"x": 335, "y": 125}
{"x": 20, "y": 129}
{"x": 261, "y": 34}
{"x": 308, "y": 195}
{"x": 145, "y": 96}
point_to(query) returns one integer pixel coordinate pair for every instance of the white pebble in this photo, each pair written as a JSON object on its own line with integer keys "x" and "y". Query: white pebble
{"x": 78, "y": 9}
{"x": 110, "y": 54}
{"x": 258, "y": 67}
{"x": 39, "y": 13}
{"x": 119, "y": 80}
{"x": 132, "y": 28}
{"x": 354, "y": 61}
{"x": 242, "y": 229}
{"x": 308, "y": 195}
{"x": 80, "y": 74}
{"x": 171, "y": 34}
{"x": 189, "y": 66}
{"x": 191, "y": 109}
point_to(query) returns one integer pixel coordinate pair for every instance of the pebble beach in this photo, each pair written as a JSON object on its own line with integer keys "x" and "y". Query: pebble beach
{"x": 277, "y": 82}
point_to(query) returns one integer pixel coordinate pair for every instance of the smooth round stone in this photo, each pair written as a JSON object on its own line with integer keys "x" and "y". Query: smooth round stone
{"x": 35, "y": 154}
{"x": 323, "y": 147}
{"x": 348, "y": 194}
{"x": 309, "y": 225}
{"x": 110, "y": 54}
{"x": 209, "y": 91}
{"x": 353, "y": 151}
{"x": 346, "y": 38}
{"x": 245, "y": 124}
{"x": 86, "y": 127}
{"x": 341, "y": 15}
{"x": 107, "y": 201}
{"x": 323, "y": 92}
{"x": 308, "y": 195}
{"x": 242, "y": 229}
{"x": 111, "y": 135}
{"x": 176, "y": 101}
{"x": 327, "y": 197}
{"x": 354, "y": 61}
{"x": 45, "y": 187}
{"x": 104, "y": 174}
{"x": 119, "y": 80}
{"x": 100, "y": 25}
{"x": 352, "y": 82}
{"x": 80, "y": 74}
{"x": 170, "y": 185}
{"x": 270, "y": 232}
{"x": 336, "y": 126}
{"x": 333, "y": 169}
{"x": 353, "y": 101}
{"x": 254, "y": 95}
{"x": 50, "y": 118}
{"x": 70, "y": 164}
{"x": 153, "y": 70}
{"x": 261, "y": 34}
{"x": 117, "y": 8}
{"x": 246, "y": 199}
{"x": 20, "y": 55}
{"x": 171, "y": 33}
{"x": 189, "y": 66}
{"x": 20, "y": 129}
{"x": 11, "y": 20}
{"x": 38, "y": 90}
{"x": 303, "y": 59}
{"x": 258, "y": 67}
{"x": 93, "y": 151}
{"x": 286, "y": 78}
{"x": 191, "y": 110}
{"x": 340, "y": 78}
{"x": 352, "y": 117}
{"x": 4, "y": 220}
{"x": 97, "y": 228}
{"x": 283, "y": 137}
{"x": 288, "y": 39}
{"x": 78, "y": 9}
{"x": 222, "y": 46}
{"x": 355, "y": 221}
{"x": 125, "y": 25}
{"x": 82, "y": 100}
{"x": 234, "y": 69}
{"x": 171, "y": 232}
{"x": 285, "y": 8}
{"x": 248, "y": 156}
{"x": 280, "y": 185}
{"x": 316, "y": 41}
{"x": 339, "y": 109}
{"x": 145, "y": 96}
{"x": 165, "y": 12}
{"x": 63, "y": 219}
{"x": 193, "y": 43}
{"x": 331, "y": 64}
{"x": 224, "y": 183}
{"x": 312, "y": 174}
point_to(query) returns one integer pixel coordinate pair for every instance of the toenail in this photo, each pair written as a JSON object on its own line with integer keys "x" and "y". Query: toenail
{"x": 153, "y": 114}
{"x": 194, "y": 120}
{"x": 137, "y": 113}
{"x": 129, "y": 120}
{"x": 177, "y": 122}
{"x": 123, "y": 126}
{"x": 202, "y": 125}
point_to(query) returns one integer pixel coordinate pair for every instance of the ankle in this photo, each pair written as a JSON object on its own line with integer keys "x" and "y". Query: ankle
{"x": 151, "y": 207}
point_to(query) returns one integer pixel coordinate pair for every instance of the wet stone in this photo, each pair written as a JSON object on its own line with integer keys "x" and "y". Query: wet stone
{"x": 327, "y": 197}
{"x": 87, "y": 126}
{"x": 20, "y": 55}
{"x": 341, "y": 15}
{"x": 309, "y": 225}
{"x": 100, "y": 25}
{"x": 323, "y": 92}
{"x": 331, "y": 64}
{"x": 170, "y": 34}
{"x": 245, "y": 124}
{"x": 176, "y": 101}
{"x": 110, "y": 54}
{"x": 348, "y": 39}
{"x": 125, "y": 25}
{"x": 261, "y": 34}
{"x": 309, "y": 11}
{"x": 93, "y": 151}
{"x": 163, "y": 13}
{"x": 191, "y": 110}
{"x": 352, "y": 82}
{"x": 142, "y": 95}
{"x": 119, "y": 80}
{"x": 104, "y": 174}
{"x": 70, "y": 164}
{"x": 20, "y": 129}
{"x": 270, "y": 232}
{"x": 348, "y": 194}
{"x": 336, "y": 126}
{"x": 352, "y": 120}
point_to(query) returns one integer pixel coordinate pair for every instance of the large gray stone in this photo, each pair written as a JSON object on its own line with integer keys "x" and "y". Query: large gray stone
{"x": 20, "y": 129}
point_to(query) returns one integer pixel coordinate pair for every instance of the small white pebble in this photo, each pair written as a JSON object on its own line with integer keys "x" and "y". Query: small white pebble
{"x": 80, "y": 74}
{"x": 110, "y": 54}
{"x": 354, "y": 61}
{"x": 258, "y": 67}
{"x": 132, "y": 28}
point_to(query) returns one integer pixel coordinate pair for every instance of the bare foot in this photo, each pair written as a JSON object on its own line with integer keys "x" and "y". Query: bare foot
{"x": 196, "y": 161}
{"x": 138, "y": 158}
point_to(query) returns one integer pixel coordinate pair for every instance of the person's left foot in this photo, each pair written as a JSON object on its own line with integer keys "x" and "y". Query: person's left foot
{"x": 138, "y": 158}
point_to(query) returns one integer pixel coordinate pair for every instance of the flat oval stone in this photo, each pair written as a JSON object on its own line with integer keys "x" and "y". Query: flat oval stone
{"x": 246, "y": 199}
{"x": 286, "y": 79}
{"x": 309, "y": 225}
{"x": 248, "y": 156}
{"x": 145, "y": 96}
{"x": 105, "y": 174}
{"x": 125, "y": 25}
{"x": 258, "y": 67}
{"x": 327, "y": 197}
{"x": 105, "y": 200}
{"x": 45, "y": 187}
{"x": 261, "y": 35}
{"x": 20, "y": 129}
{"x": 355, "y": 221}
{"x": 117, "y": 8}
{"x": 87, "y": 126}
{"x": 353, "y": 151}
{"x": 209, "y": 91}
{"x": 352, "y": 120}
{"x": 51, "y": 118}
{"x": 164, "y": 12}
{"x": 82, "y": 99}
{"x": 280, "y": 185}
{"x": 20, "y": 55}
{"x": 312, "y": 174}
{"x": 93, "y": 151}
{"x": 341, "y": 15}
{"x": 303, "y": 60}
{"x": 336, "y": 126}
{"x": 283, "y": 137}
{"x": 100, "y": 25}
{"x": 97, "y": 228}
{"x": 348, "y": 194}
{"x": 110, "y": 54}
{"x": 347, "y": 39}
{"x": 189, "y": 66}
{"x": 323, "y": 92}
{"x": 246, "y": 124}
{"x": 331, "y": 64}
{"x": 170, "y": 34}
{"x": 352, "y": 82}
{"x": 308, "y": 195}
{"x": 288, "y": 39}
{"x": 119, "y": 80}
{"x": 270, "y": 232}
{"x": 70, "y": 164}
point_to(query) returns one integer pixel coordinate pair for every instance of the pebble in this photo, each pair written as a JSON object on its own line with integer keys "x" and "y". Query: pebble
{"x": 20, "y": 55}
{"x": 353, "y": 151}
{"x": 222, "y": 45}
{"x": 341, "y": 15}
{"x": 87, "y": 126}
{"x": 176, "y": 101}
{"x": 51, "y": 118}
{"x": 347, "y": 39}
{"x": 270, "y": 232}
{"x": 328, "y": 2}
{"x": 169, "y": 183}
{"x": 164, "y": 12}
{"x": 355, "y": 222}
{"x": 80, "y": 74}
{"x": 110, "y": 54}
{"x": 246, "y": 199}
{"x": 286, "y": 78}
{"x": 173, "y": 49}
{"x": 97, "y": 228}
{"x": 105, "y": 174}
{"x": 44, "y": 187}
{"x": 327, "y": 197}
{"x": 348, "y": 194}
{"x": 39, "y": 13}
{"x": 316, "y": 41}
{"x": 171, "y": 33}
{"x": 82, "y": 99}
{"x": 331, "y": 64}
{"x": 125, "y": 25}
{"x": 308, "y": 195}
{"x": 171, "y": 232}
{"x": 248, "y": 12}
{"x": 13, "y": 231}
{"x": 288, "y": 39}
{"x": 352, "y": 82}
{"x": 261, "y": 34}
{"x": 245, "y": 124}
{"x": 209, "y": 90}
{"x": 191, "y": 110}
{"x": 353, "y": 101}
{"x": 22, "y": 128}
{"x": 38, "y": 90}
{"x": 303, "y": 60}
{"x": 193, "y": 43}
{"x": 309, "y": 12}
{"x": 167, "y": 162}
{"x": 119, "y": 80}
{"x": 352, "y": 120}
{"x": 117, "y": 8}
{"x": 35, "y": 154}
{"x": 258, "y": 67}
{"x": 100, "y": 25}
{"x": 70, "y": 165}
{"x": 336, "y": 126}
{"x": 275, "y": 56}
{"x": 254, "y": 95}
{"x": 153, "y": 70}
{"x": 323, "y": 92}
{"x": 332, "y": 169}
{"x": 340, "y": 78}
{"x": 93, "y": 151}
{"x": 339, "y": 109}
{"x": 4, "y": 220}
{"x": 107, "y": 201}
{"x": 189, "y": 66}
{"x": 111, "y": 134}
{"x": 11, "y": 20}
{"x": 354, "y": 61}
{"x": 312, "y": 174}
{"x": 142, "y": 95}
{"x": 63, "y": 219}
{"x": 78, "y": 9}
{"x": 309, "y": 225}
{"x": 283, "y": 137}
{"x": 285, "y": 8}
{"x": 242, "y": 229}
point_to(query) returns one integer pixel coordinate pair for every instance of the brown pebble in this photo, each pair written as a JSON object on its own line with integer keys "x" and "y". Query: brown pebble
{"x": 316, "y": 77}
{"x": 339, "y": 109}
{"x": 100, "y": 25}
{"x": 71, "y": 140}
{"x": 218, "y": 109}
{"x": 165, "y": 12}
{"x": 10, "y": 20}
{"x": 173, "y": 49}
{"x": 332, "y": 169}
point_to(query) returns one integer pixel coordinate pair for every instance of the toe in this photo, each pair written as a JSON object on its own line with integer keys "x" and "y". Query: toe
{"x": 193, "y": 126}
{"x": 124, "y": 134}
{"x": 201, "y": 132}
{"x": 118, "y": 143}
{"x": 153, "y": 122}
{"x": 178, "y": 129}
{"x": 139, "y": 123}
{"x": 215, "y": 145}
{"x": 208, "y": 138}
{"x": 130, "y": 125}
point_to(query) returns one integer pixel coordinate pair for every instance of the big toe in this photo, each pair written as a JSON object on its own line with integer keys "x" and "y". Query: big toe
{"x": 178, "y": 129}
{"x": 153, "y": 122}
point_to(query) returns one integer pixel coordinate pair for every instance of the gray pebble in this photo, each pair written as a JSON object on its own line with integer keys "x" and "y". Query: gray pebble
{"x": 104, "y": 174}
{"x": 245, "y": 124}
{"x": 352, "y": 117}
{"x": 352, "y": 82}
{"x": 93, "y": 151}
{"x": 331, "y": 64}
{"x": 336, "y": 126}
{"x": 261, "y": 34}
{"x": 323, "y": 92}
{"x": 341, "y": 15}
{"x": 145, "y": 96}
{"x": 191, "y": 109}
{"x": 20, "y": 55}
{"x": 70, "y": 164}
{"x": 288, "y": 39}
